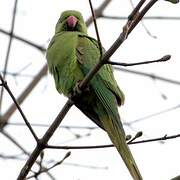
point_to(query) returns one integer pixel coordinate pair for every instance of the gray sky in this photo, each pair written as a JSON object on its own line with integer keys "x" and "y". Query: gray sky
{"x": 35, "y": 21}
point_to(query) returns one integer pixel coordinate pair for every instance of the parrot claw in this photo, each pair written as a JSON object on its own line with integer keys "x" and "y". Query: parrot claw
{"x": 77, "y": 90}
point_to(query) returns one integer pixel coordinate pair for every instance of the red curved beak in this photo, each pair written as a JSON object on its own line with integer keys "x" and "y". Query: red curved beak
{"x": 72, "y": 21}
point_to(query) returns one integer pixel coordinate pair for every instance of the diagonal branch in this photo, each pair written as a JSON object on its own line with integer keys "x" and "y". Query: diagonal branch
{"x": 42, "y": 143}
{"x": 19, "y": 108}
{"x": 53, "y": 166}
{"x": 150, "y": 75}
{"x": 9, "y": 48}
{"x": 24, "y": 94}
{"x": 41, "y": 48}
{"x": 96, "y": 28}
{"x": 8, "y": 136}
{"x": 98, "y": 11}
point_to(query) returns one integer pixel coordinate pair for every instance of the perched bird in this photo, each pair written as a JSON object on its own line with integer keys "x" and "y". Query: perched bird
{"x": 70, "y": 55}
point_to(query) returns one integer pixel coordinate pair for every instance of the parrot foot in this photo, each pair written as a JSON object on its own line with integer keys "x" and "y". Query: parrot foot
{"x": 77, "y": 90}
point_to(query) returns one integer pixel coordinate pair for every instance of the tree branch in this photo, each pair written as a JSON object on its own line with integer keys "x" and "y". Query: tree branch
{"x": 53, "y": 166}
{"x": 153, "y": 76}
{"x": 9, "y": 137}
{"x": 42, "y": 49}
{"x": 98, "y": 11}
{"x": 42, "y": 142}
{"x": 96, "y": 28}
{"x": 24, "y": 94}
{"x": 9, "y": 48}
{"x": 19, "y": 109}
{"x": 163, "y": 59}
{"x": 163, "y": 138}
{"x": 144, "y": 18}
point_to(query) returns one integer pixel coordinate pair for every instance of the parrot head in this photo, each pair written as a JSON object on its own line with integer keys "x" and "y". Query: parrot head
{"x": 71, "y": 20}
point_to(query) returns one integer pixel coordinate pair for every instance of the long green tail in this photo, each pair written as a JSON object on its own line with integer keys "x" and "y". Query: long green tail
{"x": 106, "y": 108}
{"x": 118, "y": 139}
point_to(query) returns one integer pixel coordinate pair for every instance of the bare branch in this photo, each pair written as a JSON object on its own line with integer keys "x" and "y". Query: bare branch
{"x": 153, "y": 115}
{"x": 98, "y": 11}
{"x": 163, "y": 138}
{"x": 42, "y": 143}
{"x": 42, "y": 49}
{"x": 9, "y": 137}
{"x": 146, "y": 29}
{"x": 163, "y": 59}
{"x": 144, "y": 18}
{"x": 9, "y": 48}
{"x": 53, "y": 166}
{"x": 24, "y": 94}
{"x": 140, "y": 15}
{"x": 153, "y": 76}
{"x": 19, "y": 108}
{"x": 96, "y": 28}
{"x": 47, "y": 125}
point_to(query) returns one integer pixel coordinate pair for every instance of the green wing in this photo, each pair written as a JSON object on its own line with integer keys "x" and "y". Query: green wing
{"x": 104, "y": 96}
{"x": 88, "y": 55}
{"x": 104, "y": 89}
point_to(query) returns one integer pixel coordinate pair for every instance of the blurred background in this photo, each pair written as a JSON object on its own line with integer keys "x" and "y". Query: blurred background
{"x": 152, "y": 91}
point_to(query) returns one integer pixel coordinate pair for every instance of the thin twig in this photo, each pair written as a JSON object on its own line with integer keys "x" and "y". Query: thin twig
{"x": 9, "y": 137}
{"x": 96, "y": 29}
{"x": 164, "y": 58}
{"x": 19, "y": 108}
{"x": 86, "y": 166}
{"x": 98, "y": 11}
{"x": 163, "y": 138}
{"x": 140, "y": 15}
{"x": 53, "y": 166}
{"x": 24, "y": 94}
{"x": 12, "y": 157}
{"x": 47, "y": 125}
{"x": 144, "y": 18}
{"x": 146, "y": 29}
{"x": 136, "y": 10}
{"x": 15, "y": 74}
{"x": 150, "y": 75}
{"x": 8, "y": 49}
{"x": 42, "y": 143}
{"x": 21, "y": 39}
{"x": 152, "y": 115}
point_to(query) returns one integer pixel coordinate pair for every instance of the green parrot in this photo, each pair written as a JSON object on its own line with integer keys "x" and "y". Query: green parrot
{"x": 70, "y": 55}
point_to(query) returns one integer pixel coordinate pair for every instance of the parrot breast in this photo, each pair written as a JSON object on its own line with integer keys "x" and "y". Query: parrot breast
{"x": 62, "y": 62}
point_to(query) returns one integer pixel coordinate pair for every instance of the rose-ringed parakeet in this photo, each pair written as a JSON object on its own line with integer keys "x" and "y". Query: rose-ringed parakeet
{"x": 70, "y": 55}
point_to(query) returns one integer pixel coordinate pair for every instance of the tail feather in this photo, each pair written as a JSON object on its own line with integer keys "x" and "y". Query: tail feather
{"x": 106, "y": 109}
{"x": 118, "y": 139}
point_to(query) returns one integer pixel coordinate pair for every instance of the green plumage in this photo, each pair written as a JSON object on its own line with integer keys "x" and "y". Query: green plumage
{"x": 70, "y": 55}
